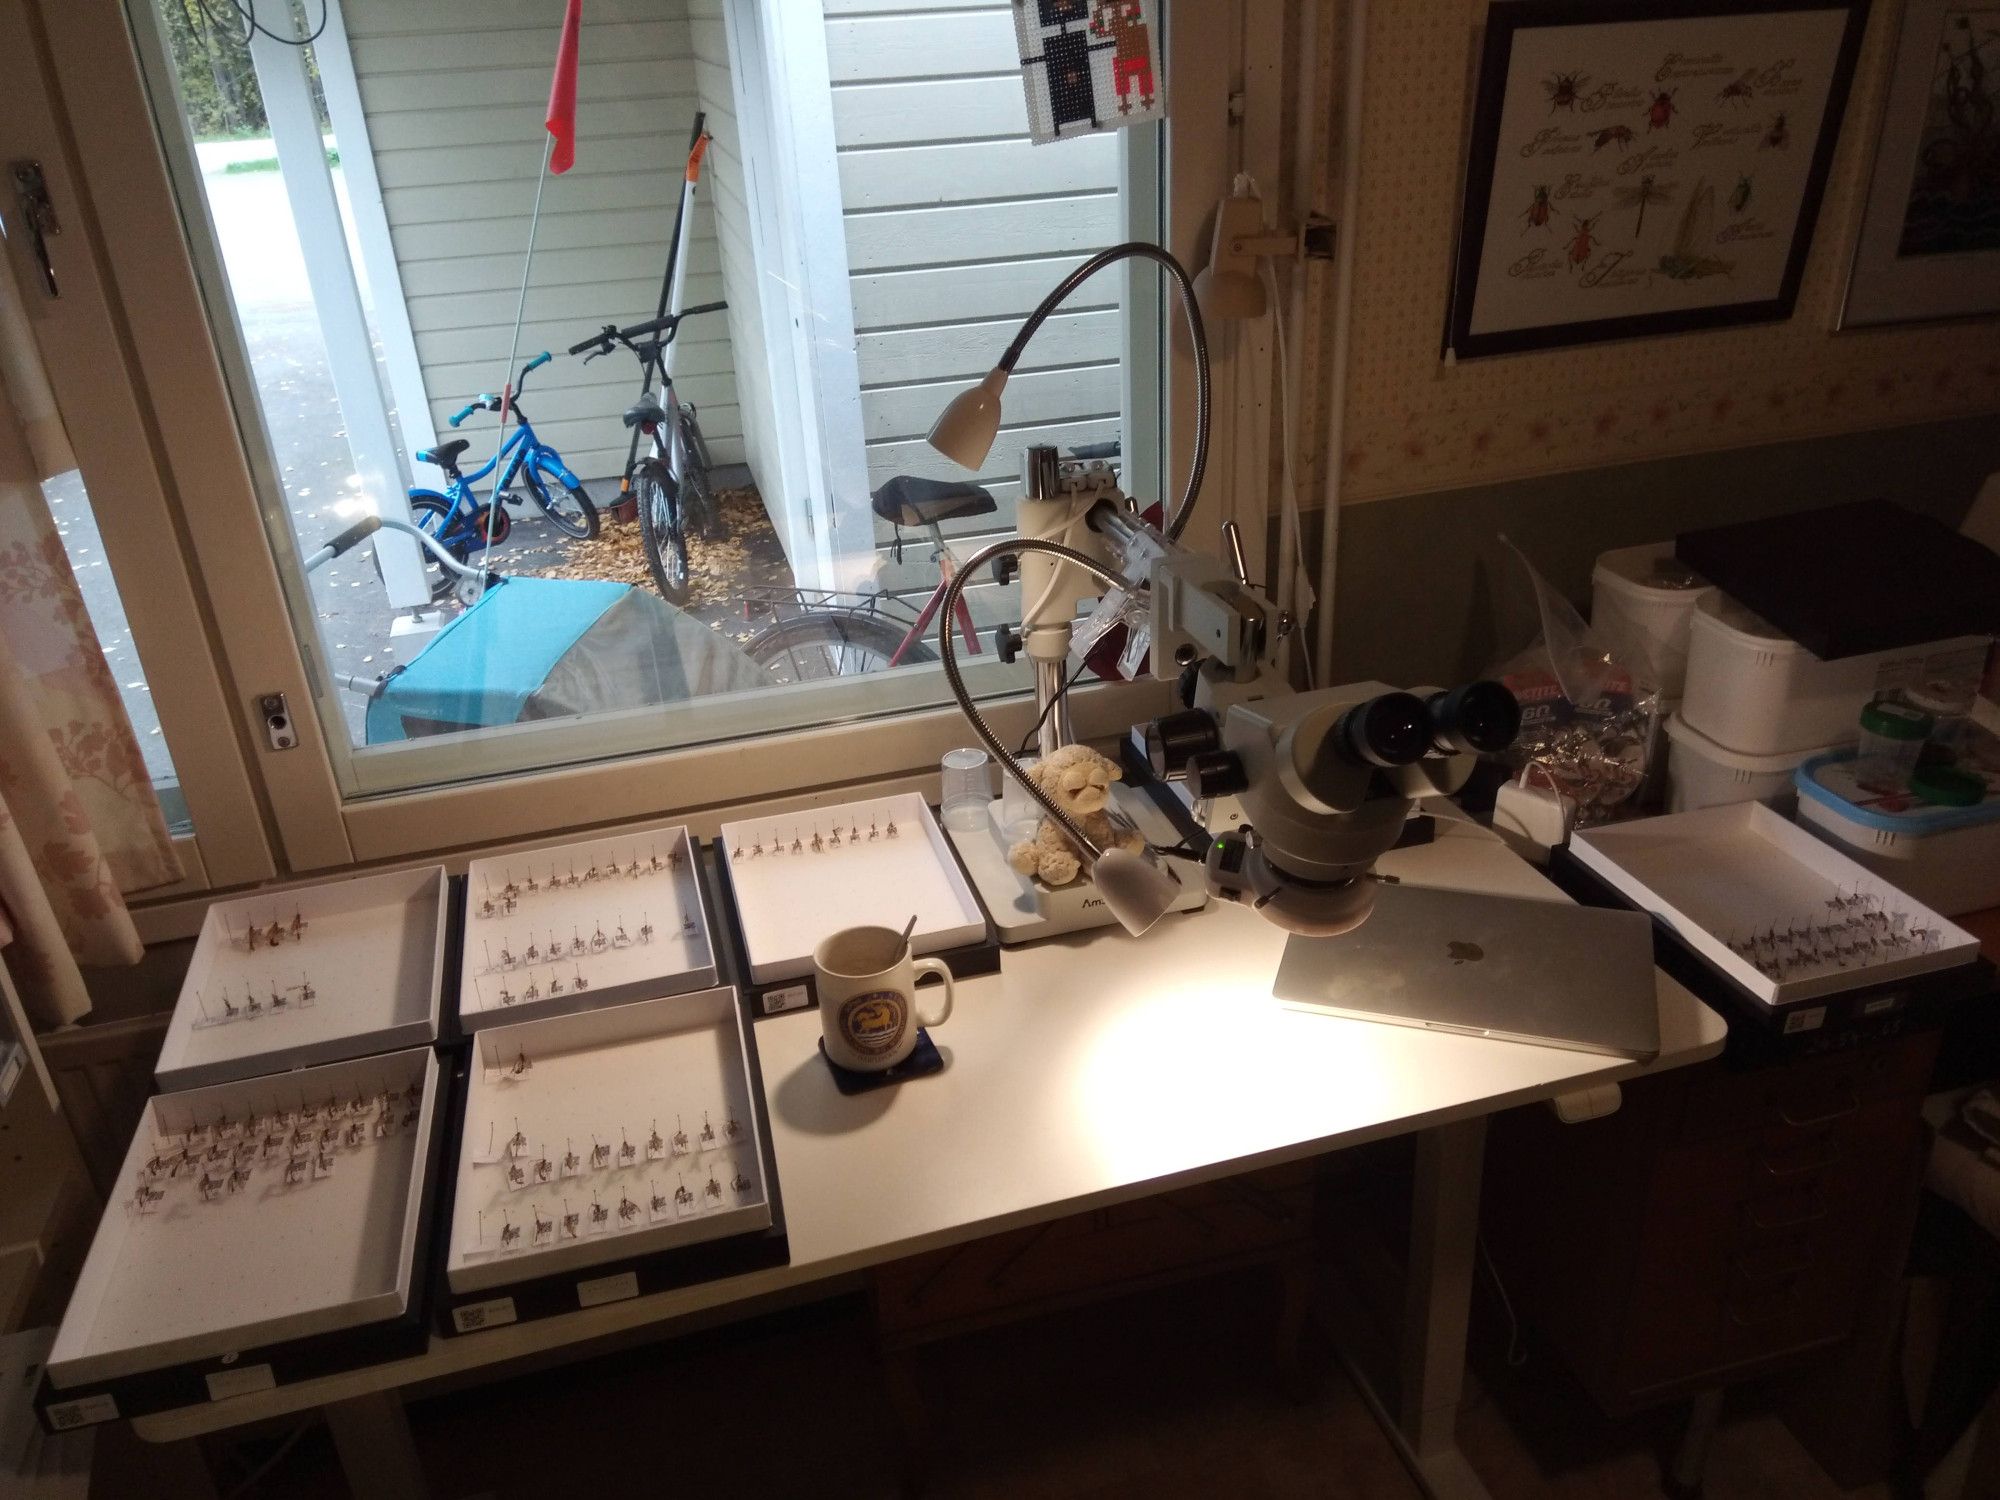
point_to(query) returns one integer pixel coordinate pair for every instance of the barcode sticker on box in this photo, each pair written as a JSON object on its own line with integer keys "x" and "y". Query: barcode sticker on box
{"x": 85, "y": 1411}
{"x": 226, "y": 1383}
{"x": 620, "y": 1288}
{"x": 791, "y": 997}
{"x": 1805, "y": 1020}
{"x": 474, "y": 1316}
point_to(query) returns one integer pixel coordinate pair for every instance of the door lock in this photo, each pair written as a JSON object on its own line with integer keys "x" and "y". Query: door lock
{"x": 278, "y": 728}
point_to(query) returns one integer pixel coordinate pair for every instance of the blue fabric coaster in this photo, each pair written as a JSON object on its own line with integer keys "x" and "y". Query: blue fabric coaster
{"x": 924, "y": 1060}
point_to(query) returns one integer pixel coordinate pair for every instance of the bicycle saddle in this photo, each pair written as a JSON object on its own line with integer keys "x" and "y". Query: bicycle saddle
{"x": 444, "y": 455}
{"x": 909, "y": 501}
{"x": 646, "y": 409}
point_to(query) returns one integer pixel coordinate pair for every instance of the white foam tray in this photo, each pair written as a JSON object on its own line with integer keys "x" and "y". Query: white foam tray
{"x": 1721, "y": 872}
{"x": 372, "y": 951}
{"x": 549, "y": 912}
{"x": 789, "y": 902}
{"x": 605, "y": 1078}
{"x": 190, "y": 1279}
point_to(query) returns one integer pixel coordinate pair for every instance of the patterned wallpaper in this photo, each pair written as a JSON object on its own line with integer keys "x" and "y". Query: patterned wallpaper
{"x": 1416, "y": 424}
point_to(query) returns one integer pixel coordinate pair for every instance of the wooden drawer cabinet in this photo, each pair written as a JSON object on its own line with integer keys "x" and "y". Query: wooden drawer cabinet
{"x": 1264, "y": 1215}
{"x": 1721, "y": 1223}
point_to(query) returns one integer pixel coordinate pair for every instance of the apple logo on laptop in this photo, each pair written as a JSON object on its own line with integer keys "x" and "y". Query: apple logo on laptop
{"x": 1465, "y": 953}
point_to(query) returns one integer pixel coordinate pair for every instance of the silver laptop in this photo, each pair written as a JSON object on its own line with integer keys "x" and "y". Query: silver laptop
{"x": 1543, "y": 972}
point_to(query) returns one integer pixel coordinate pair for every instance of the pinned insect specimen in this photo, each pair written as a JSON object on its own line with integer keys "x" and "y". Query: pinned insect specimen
{"x": 739, "y": 1183}
{"x": 544, "y": 1228}
{"x": 1660, "y": 113}
{"x": 658, "y": 1203}
{"x": 510, "y": 1234}
{"x": 1620, "y": 135}
{"x": 627, "y": 1152}
{"x": 889, "y": 829}
{"x": 707, "y": 1130}
{"x": 209, "y": 1187}
{"x": 295, "y": 1171}
{"x": 517, "y": 1175}
{"x": 654, "y": 1145}
{"x": 712, "y": 1188}
{"x": 518, "y": 1142}
{"x": 1581, "y": 242}
{"x": 521, "y": 1064}
{"x": 147, "y": 1196}
{"x": 621, "y": 938}
{"x": 569, "y": 1221}
{"x": 645, "y": 930}
{"x": 682, "y": 1197}
{"x": 600, "y": 1155}
{"x": 354, "y": 1133}
{"x": 627, "y": 1209}
{"x": 531, "y": 993}
{"x": 239, "y": 1179}
{"x": 1737, "y": 91}
{"x": 544, "y": 1169}
{"x": 598, "y": 941}
{"x": 1563, "y": 88}
{"x": 571, "y": 1161}
{"x": 680, "y": 1138}
{"x": 599, "y": 1214}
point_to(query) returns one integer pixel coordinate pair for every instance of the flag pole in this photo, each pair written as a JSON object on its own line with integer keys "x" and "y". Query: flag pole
{"x": 514, "y": 344}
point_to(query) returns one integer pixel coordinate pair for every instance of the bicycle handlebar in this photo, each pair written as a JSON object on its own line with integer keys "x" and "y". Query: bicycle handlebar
{"x": 478, "y": 405}
{"x": 668, "y": 324}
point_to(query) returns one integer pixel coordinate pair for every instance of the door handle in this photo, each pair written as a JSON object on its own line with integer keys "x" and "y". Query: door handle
{"x": 38, "y": 217}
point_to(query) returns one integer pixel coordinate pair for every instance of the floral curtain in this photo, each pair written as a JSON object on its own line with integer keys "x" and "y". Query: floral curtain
{"x": 79, "y": 824}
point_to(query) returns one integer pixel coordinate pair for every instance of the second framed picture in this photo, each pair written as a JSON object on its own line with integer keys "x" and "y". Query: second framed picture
{"x": 1645, "y": 166}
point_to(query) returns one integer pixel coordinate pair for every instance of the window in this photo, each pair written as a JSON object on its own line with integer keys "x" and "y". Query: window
{"x": 871, "y": 214}
{"x": 313, "y": 260}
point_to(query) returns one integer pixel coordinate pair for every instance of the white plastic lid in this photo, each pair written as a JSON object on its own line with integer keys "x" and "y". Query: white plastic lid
{"x": 1650, "y": 568}
{"x": 1702, "y": 747}
{"x": 1718, "y": 611}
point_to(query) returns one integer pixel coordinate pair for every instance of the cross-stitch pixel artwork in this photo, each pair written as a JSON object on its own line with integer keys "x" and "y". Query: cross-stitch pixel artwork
{"x": 1089, "y": 65}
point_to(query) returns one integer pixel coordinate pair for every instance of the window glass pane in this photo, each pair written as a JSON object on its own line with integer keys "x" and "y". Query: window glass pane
{"x": 873, "y": 220}
{"x": 76, "y": 524}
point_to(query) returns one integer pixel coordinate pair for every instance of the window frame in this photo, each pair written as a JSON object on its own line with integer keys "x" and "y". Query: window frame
{"x": 168, "y": 354}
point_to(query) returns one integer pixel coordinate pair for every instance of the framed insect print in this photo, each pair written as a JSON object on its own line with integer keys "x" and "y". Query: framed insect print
{"x": 1645, "y": 166}
{"x": 1930, "y": 235}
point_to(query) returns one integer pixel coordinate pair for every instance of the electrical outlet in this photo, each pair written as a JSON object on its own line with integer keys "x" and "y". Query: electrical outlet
{"x": 278, "y": 727}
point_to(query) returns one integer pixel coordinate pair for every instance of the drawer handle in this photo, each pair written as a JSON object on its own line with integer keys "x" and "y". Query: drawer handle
{"x": 1853, "y": 1104}
{"x": 1758, "y": 1221}
{"x": 1826, "y": 1159}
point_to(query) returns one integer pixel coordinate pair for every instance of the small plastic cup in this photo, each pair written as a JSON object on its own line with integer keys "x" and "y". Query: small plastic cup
{"x": 1892, "y": 739}
{"x": 967, "y": 777}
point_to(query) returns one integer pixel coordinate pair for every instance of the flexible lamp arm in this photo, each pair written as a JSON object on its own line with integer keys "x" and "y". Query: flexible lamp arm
{"x": 1197, "y": 335}
{"x": 1004, "y": 547}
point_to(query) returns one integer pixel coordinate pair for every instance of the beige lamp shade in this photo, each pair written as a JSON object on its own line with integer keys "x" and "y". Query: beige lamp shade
{"x": 965, "y": 429}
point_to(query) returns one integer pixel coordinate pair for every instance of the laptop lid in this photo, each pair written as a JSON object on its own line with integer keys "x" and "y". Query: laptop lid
{"x": 1544, "y": 972}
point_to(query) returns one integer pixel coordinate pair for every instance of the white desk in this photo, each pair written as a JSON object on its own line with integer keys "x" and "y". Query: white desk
{"x": 1091, "y": 1070}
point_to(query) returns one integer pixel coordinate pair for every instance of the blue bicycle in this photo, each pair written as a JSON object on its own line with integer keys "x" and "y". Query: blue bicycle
{"x": 459, "y": 520}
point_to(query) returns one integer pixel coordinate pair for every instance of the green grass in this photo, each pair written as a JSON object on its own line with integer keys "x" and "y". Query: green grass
{"x": 270, "y": 164}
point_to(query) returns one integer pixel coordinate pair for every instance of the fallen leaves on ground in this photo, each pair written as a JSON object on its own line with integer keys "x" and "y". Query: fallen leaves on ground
{"x": 745, "y": 554}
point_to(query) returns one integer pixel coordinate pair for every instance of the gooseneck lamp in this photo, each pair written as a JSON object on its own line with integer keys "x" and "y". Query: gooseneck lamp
{"x": 1136, "y": 889}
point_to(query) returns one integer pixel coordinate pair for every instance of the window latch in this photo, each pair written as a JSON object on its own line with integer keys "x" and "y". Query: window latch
{"x": 38, "y": 216}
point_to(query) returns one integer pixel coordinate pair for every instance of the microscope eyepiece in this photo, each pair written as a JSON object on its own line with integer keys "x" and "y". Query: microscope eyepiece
{"x": 1392, "y": 730}
{"x": 1481, "y": 717}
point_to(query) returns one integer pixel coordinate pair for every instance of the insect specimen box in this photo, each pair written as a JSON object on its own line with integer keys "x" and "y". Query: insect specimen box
{"x": 623, "y": 1148}
{"x": 800, "y": 877}
{"x": 260, "y": 1231}
{"x": 577, "y": 926}
{"x": 309, "y": 975}
{"x": 1782, "y": 915}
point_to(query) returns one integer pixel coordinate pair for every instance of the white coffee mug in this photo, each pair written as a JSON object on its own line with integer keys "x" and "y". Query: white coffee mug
{"x": 868, "y": 997}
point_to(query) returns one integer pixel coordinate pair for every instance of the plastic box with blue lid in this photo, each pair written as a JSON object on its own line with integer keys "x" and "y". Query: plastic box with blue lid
{"x": 1946, "y": 856}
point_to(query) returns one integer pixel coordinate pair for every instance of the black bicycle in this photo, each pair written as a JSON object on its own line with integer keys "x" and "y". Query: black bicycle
{"x": 672, "y": 484}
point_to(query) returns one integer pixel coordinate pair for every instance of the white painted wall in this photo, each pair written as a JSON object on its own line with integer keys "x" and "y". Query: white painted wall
{"x": 956, "y": 227}
{"x": 454, "y": 92}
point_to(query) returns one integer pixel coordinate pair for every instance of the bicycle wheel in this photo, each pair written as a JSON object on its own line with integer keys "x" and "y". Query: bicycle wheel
{"x": 430, "y": 513}
{"x": 660, "y": 532}
{"x": 815, "y": 647}
{"x": 573, "y": 515}
{"x": 698, "y": 502}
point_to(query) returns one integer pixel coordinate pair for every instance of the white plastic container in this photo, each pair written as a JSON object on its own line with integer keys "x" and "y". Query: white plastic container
{"x": 1754, "y": 690}
{"x": 1946, "y": 857}
{"x": 1642, "y": 610}
{"x": 1701, "y": 773}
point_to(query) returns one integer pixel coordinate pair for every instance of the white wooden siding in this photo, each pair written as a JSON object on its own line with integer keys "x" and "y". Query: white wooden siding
{"x": 722, "y": 187}
{"x": 454, "y": 92}
{"x": 956, "y": 228}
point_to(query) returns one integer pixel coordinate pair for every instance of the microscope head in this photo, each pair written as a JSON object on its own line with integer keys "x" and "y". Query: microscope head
{"x": 1326, "y": 780}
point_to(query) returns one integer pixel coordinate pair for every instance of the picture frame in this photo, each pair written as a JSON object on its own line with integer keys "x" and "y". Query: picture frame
{"x": 1929, "y": 245}
{"x": 1640, "y": 167}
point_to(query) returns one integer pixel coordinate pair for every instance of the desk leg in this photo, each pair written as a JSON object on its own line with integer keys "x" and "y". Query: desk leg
{"x": 379, "y": 1456}
{"x": 1444, "y": 1238}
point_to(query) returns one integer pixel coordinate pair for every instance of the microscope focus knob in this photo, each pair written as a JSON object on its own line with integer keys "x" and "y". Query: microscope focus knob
{"x": 1175, "y": 739}
{"x": 1216, "y": 773}
{"x": 1006, "y": 567}
{"x": 1006, "y": 643}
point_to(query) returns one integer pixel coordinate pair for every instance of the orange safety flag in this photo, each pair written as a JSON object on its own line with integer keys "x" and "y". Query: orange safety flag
{"x": 561, "y": 118}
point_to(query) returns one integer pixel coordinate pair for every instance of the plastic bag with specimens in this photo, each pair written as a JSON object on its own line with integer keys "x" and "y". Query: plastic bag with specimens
{"x": 1588, "y": 718}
